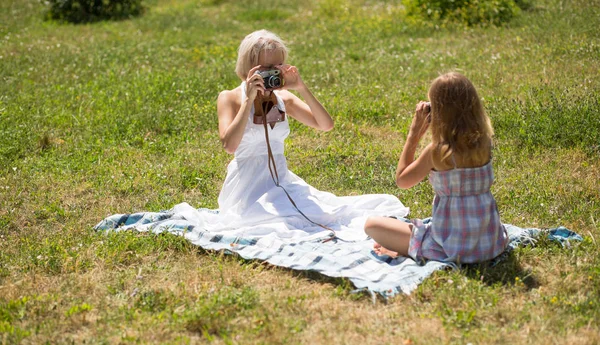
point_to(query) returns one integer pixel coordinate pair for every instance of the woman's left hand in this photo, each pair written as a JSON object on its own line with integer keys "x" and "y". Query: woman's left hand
{"x": 291, "y": 77}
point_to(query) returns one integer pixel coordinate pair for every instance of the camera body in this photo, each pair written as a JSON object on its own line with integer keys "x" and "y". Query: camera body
{"x": 273, "y": 78}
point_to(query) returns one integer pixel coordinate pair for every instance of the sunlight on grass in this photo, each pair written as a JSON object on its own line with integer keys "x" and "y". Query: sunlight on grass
{"x": 117, "y": 117}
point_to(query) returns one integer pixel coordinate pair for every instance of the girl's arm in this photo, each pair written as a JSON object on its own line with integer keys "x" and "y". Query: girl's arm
{"x": 410, "y": 171}
{"x": 234, "y": 116}
{"x": 310, "y": 111}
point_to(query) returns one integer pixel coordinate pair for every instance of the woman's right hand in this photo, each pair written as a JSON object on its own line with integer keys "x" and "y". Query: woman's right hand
{"x": 255, "y": 85}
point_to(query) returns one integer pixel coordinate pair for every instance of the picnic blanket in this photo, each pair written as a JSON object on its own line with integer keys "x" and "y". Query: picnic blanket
{"x": 354, "y": 260}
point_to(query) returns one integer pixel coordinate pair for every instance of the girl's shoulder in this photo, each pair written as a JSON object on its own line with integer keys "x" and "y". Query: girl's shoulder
{"x": 445, "y": 159}
{"x": 440, "y": 157}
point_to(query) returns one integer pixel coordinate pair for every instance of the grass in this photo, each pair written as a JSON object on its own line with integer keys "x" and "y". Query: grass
{"x": 117, "y": 117}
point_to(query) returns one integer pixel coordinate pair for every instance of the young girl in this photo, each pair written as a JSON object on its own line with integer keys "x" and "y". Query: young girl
{"x": 465, "y": 225}
{"x": 255, "y": 200}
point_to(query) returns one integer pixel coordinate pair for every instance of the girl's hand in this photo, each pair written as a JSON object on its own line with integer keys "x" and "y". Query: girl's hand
{"x": 420, "y": 122}
{"x": 291, "y": 77}
{"x": 255, "y": 85}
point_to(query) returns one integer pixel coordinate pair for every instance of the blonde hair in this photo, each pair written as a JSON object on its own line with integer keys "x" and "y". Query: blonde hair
{"x": 251, "y": 47}
{"x": 459, "y": 124}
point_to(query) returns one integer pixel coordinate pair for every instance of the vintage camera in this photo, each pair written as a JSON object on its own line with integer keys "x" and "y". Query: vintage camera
{"x": 273, "y": 78}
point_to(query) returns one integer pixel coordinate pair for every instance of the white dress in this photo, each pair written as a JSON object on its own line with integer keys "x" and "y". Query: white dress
{"x": 250, "y": 204}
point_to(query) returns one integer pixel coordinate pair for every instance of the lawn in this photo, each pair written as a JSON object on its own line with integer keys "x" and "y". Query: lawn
{"x": 120, "y": 117}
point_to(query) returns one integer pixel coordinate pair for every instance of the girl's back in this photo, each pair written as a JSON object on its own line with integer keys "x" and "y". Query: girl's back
{"x": 465, "y": 225}
{"x": 473, "y": 158}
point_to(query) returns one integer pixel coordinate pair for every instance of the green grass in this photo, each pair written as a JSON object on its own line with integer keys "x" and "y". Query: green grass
{"x": 118, "y": 117}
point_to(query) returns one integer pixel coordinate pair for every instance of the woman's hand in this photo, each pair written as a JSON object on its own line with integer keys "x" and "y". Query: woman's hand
{"x": 421, "y": 120}
{"x": 291, "y": 77}
{"x": 255, "y": 85}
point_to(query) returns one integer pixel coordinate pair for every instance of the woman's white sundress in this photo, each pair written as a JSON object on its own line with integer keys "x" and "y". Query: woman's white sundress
{"x": 250, "y": 204}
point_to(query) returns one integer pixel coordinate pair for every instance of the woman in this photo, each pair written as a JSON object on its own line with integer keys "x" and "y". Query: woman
{"x": 259, "y": 198}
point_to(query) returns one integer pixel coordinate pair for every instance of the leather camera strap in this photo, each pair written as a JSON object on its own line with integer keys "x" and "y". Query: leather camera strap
{"x": 275, "y": 177}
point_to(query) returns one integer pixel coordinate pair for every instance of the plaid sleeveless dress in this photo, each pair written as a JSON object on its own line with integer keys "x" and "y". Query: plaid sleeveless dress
{"x": 465, "y": 225}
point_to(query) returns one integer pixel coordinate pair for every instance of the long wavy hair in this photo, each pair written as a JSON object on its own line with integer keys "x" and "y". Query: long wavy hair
{"x": 459, "y": 124}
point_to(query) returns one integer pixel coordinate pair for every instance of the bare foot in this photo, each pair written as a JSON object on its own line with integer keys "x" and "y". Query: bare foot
{"x": 380, "y": 250}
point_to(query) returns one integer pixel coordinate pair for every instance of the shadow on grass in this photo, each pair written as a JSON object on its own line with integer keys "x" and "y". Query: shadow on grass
{"x": 343, "y": 283}
{"x": 507, "y": 272}
{"x": 343, "y": 286}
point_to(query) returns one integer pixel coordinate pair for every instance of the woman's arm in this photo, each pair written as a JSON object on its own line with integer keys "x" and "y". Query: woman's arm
{"x": 231, "y": 121}
{"x": 234, "y": 116}
{"x": 410, "y": 171}
{"x": 310, "y": 111}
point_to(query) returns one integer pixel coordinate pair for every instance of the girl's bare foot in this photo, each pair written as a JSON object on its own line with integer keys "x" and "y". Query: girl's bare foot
{"x": 380, "y": 250}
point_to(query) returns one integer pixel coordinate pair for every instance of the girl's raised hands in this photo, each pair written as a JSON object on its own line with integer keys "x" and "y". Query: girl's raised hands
{"x": 420, "y": 122}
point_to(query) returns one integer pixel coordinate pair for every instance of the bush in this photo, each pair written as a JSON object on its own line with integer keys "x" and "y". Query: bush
{"x": 465, "y": 12}
{"x": 84, "y": 11}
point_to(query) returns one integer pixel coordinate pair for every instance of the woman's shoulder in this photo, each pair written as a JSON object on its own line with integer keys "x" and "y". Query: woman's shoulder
{"x": 233, "y": 93}
{"x": 286, "y": 95}
{"x": 231, "y": 96}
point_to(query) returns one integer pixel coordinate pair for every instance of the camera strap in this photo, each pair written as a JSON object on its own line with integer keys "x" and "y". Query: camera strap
{"x": 275, "y": 177}
{"x": 267, "y": 107}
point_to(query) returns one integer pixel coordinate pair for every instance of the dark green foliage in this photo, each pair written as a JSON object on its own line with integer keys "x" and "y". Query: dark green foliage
{"x": 84, "y": 11}
{"x": 465, "y": 12}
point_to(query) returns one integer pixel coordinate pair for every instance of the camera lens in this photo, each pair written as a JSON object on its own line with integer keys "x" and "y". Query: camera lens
{"x": 274, "y": 82}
